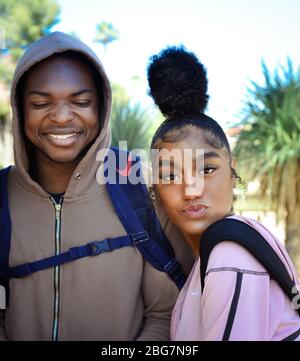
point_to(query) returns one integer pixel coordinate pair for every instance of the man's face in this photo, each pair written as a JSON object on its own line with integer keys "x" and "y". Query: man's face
{"x": 60, "y": 109}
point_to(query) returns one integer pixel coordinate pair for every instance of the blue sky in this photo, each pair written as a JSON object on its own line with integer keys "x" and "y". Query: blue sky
{"x": 230, "y": 37}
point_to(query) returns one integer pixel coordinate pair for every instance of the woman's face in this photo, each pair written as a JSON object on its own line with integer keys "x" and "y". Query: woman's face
{"x": 195, "y": 186}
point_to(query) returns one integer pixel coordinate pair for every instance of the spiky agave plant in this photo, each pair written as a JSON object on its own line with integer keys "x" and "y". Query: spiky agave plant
{"x": 130, "y": 123}
{"x": 268, "y": 148}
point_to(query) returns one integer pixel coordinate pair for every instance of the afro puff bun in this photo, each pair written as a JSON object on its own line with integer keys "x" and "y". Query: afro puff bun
{"x": 177, "y": 82}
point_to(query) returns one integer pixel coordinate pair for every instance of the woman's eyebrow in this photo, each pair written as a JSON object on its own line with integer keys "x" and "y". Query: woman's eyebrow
{"x": 166, "y": 162}
{"x": 211, "y": 155}
{"x": 171, "y": 163}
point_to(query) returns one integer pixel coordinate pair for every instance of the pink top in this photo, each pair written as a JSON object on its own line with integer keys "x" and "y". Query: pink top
{"x": 263, "y": 311}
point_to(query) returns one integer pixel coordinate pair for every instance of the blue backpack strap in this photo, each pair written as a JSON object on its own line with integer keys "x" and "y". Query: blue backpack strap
{"x": 5, "y": 230}
{"x": 239, "y": 232}
{"x": 135, "y": 211}
{"x": 91, "y": 249}
{"x": 155, "y": 248}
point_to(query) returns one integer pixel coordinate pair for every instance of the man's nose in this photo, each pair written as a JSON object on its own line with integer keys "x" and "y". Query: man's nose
{"x": 61, "y": 113}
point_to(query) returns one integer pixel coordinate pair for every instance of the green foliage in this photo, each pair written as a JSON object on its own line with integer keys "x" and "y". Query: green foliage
{"x": 26, "y": 21}
{"x": 269, "y": 145}
{"x": 129, "y": 122}
{"x": 6, "y": 69}
{"x": 4, "y": 110}
{"x": 106, "y": 33}
{"x": 23, "y": 22}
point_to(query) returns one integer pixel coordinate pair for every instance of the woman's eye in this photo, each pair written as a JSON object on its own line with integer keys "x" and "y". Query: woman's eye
{"x": 169, "y": 177}
{"x": 208, "y": 169}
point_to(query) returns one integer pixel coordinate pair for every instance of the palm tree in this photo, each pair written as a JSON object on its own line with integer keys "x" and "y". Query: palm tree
{"x": 105, "y": 34}
{"x": 269, "y": 147}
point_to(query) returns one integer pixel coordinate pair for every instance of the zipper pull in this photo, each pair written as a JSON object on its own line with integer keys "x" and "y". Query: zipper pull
{"x": 57, "y": 210}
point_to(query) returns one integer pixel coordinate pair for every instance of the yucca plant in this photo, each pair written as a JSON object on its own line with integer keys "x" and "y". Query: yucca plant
{"x": 268, "y": 148}
{"x": 130, "y": 123}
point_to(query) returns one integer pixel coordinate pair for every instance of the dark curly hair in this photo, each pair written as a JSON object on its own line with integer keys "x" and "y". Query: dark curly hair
{"x": 178, "y": 85}
{"x": 178, "y": 82}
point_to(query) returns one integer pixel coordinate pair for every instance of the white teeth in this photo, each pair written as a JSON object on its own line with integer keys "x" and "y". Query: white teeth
{"x": 62, "y": 136}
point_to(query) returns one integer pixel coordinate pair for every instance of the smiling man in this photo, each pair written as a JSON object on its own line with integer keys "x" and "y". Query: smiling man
{"x": 61, "y": 102}
{"x": 61, "y": 116}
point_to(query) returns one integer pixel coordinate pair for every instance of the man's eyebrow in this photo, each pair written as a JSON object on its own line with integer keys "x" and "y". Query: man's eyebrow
{"x": 37, "y": 92}
{"x": 211, "y": 155}
{"x": 76, "y": 94}
{"x": 44, "y": 94}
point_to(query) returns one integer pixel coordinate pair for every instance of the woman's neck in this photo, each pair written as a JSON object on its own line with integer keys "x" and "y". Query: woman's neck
{"x": 194, "y": 242}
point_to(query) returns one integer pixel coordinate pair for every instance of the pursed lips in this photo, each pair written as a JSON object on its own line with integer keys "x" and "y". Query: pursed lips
{"x": 195, "y": 211}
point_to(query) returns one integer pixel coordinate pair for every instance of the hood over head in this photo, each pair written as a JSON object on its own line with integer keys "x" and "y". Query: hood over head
{"x": 42, "y": 49}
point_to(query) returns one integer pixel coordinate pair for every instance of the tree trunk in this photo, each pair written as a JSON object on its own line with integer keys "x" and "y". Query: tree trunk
{"x": 293, "y": 236}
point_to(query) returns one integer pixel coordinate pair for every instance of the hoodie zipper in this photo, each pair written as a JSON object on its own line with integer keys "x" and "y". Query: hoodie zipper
{"x": 57, "y": 207}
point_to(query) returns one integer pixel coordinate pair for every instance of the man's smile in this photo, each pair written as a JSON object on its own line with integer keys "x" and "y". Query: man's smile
{"x": 63, "y": 139}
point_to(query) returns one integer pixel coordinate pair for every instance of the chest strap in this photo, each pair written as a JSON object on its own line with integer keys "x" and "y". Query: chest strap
{"x": 90, "y": 249}
{"x": 140, "y": 240}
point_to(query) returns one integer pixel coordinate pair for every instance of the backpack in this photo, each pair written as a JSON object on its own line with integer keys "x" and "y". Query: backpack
{"x": 239, "y": 232}
{"x": 136, "y": 213}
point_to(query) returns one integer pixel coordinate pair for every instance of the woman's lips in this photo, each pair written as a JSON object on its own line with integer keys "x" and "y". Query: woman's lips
{"x": 195, "y": 211}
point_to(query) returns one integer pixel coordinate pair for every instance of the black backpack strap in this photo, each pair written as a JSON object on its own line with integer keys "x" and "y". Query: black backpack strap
{"x": 237, "y": 231}
{"x": 5, "y": 230}
{"x": 135, "y": 211}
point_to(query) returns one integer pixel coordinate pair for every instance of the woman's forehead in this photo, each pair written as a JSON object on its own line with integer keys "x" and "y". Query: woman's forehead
{"x": 193, "y": 141}
{"x": 175, "y": 153}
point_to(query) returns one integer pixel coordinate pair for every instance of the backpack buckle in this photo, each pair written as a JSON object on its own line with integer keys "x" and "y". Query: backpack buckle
{"x": 171, "y": 268}
{"x": 98, "y": 247}
{"x": 140, "y": 237}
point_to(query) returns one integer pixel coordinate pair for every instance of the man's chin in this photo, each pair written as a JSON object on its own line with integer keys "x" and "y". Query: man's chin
{"x": 64, "y": 158}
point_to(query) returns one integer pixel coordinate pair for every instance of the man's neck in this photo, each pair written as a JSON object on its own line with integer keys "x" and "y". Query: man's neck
{"x": 54, "y": 177}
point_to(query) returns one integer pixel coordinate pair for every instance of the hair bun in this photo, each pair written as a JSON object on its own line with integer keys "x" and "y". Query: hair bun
{"x": 177, "y": 82}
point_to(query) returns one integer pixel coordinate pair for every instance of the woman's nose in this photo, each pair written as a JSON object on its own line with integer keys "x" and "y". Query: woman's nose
{"x": 193, "y": 187}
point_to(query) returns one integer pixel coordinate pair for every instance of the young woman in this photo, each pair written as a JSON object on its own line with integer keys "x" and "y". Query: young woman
{"x": 239, "y": 298}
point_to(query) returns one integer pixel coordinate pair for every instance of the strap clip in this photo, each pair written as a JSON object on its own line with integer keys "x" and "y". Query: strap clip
{"x": 140, "y": 237}
{"x": 98, "y": 247}
{"x": 172, "y": 269}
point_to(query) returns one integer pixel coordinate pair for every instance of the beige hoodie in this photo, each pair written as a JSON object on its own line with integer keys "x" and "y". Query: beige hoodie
{"x": 113, "y": 296}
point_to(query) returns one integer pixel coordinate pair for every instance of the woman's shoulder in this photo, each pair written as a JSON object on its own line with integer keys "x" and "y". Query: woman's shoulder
{"x": 231, "y": 255}
{"x": 228, "y": 255}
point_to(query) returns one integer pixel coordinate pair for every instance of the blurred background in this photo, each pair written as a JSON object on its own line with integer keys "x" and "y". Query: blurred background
{"x": 252, "y": 54}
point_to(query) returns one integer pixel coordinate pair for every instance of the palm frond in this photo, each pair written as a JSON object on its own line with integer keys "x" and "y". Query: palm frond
{"x": 269, "y": 145}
